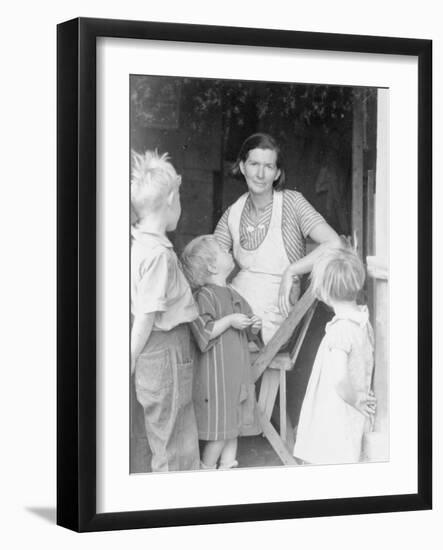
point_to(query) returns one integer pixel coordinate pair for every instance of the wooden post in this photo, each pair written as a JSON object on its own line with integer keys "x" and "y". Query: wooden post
{"x": 274, "y": 378}
{"x": 381, "y": 378}
{"x": 357, "y": 170}
{"x": 275, "y": 440}
{"x": 370, "y": 238}
{"x": 283, "y": 334}
{"x": 282, "y": 404}
{"x": 380, "y": 438}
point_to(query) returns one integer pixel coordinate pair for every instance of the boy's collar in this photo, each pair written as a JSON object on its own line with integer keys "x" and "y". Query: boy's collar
{"x": 144, "y": 235}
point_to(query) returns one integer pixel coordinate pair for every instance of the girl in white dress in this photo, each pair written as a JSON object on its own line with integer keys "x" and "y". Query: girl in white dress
{"x": 339, "y": 403}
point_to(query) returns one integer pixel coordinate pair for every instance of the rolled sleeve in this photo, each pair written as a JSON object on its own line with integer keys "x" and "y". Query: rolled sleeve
{"x": 307, "y": 215}
{"x": 152, "y": 286}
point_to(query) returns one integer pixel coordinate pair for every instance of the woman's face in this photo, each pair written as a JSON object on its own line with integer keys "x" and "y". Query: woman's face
{"x": 260, "y": 170}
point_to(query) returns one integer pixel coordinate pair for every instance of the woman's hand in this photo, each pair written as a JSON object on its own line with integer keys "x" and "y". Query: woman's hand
{"x": 286, "y": 298}
{"x": 240, "y": 321}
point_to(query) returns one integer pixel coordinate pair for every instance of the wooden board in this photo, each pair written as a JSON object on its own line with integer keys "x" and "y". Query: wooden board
{"x": 283, "y": 334}
{"x": 275, "y": 440}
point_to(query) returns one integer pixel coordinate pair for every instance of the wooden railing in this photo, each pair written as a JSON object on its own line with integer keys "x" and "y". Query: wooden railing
{"x": 271, "y": 364}
{"x": 283, "y": 334}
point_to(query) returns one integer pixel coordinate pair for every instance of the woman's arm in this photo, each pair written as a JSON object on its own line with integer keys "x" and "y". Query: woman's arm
{"x": 222, "y": 232}
{"x": 327, "y": 238}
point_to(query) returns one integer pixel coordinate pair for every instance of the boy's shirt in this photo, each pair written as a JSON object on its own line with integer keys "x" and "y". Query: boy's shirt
{"x": 157, "y": 282}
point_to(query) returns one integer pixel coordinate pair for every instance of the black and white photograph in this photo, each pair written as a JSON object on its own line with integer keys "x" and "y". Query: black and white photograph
{"x": 244, "y": 255}
{"x": 221, "y": 294}
{"x": 259, "y": 274}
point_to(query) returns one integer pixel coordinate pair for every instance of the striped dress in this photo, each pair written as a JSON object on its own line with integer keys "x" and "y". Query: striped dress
{"x": 224, "y": 398}
{"x": 298, "y": 220}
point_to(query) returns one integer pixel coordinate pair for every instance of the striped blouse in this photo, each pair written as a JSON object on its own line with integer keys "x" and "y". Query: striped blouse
{"x": 298, "y": 220}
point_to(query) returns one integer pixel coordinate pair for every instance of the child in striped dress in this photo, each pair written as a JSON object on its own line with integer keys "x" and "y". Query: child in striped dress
{"x": 224, "y": 399}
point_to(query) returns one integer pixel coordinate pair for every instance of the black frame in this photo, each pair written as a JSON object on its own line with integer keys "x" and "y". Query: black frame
{"x": 76, "y": 273}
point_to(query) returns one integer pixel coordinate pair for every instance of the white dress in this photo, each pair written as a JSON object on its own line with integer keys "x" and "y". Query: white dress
{"x": 261, "y": 269}
{"x": 330, "y": 431}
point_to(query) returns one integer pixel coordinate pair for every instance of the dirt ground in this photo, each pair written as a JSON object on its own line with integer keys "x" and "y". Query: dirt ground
{"x": 253, "y": 451}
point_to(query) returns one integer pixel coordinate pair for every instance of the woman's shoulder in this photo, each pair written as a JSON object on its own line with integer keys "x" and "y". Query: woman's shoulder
{"x": 223, "y": 221}
{"x": 292, "y": 205}
{"x": 291, "y": 195}
{"x": 298, "y": 208}
{"x": 240, "y": 201}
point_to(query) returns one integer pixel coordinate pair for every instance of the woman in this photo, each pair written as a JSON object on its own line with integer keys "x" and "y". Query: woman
{"x": 266, "y": 228}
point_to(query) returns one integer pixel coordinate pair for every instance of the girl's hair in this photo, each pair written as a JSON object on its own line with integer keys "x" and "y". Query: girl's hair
{"x": 261, "y": 141}
{"x": 338, "y": 275}
{"x": 200, "y": 253}
{"x": 152, "y": 179}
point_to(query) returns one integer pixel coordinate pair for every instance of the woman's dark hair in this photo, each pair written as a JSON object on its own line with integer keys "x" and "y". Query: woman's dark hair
{"x": 261, "y": 141}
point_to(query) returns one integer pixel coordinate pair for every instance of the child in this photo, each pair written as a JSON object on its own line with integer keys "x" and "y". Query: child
{"x": 161, "y": 306}
{"x": 224, "y": 397}
{"x": 338, "y": 402}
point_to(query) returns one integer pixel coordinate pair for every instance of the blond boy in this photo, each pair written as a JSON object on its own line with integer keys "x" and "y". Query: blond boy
{"x": 161, "y": 308}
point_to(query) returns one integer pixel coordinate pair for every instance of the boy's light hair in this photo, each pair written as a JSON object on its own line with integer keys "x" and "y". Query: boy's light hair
{"x": 197, "y": 256}
{"x": 338, "y": 275}
{"x": 152, "y": 179}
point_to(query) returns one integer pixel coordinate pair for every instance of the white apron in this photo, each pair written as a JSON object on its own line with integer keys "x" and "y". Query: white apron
{"x": 261, "y": 269}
